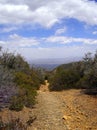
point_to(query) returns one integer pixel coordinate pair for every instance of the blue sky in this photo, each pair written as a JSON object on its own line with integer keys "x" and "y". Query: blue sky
{"x": 49, "y": 28}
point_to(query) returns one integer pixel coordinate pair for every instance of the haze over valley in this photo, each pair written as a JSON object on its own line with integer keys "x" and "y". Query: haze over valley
{"x": 52, "y": 63}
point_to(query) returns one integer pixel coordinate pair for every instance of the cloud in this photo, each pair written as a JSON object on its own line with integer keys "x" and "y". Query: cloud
{"x": 67, "y": 40}
{"x": 95, "y": 32}
{"x": 32, "y": 47}
{"x": 15, "y": 41}
{"x": 8, "y": 29}
{"x": 56, "y": 52}
{"x": 2, "y": 43}
{"x": 47, "y": 12}
{"x": 60, "y": 31}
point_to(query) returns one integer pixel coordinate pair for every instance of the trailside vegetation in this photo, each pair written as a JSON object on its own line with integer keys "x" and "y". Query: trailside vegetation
{"x": 79, "y": 75}
{"x": 18, "y": 82}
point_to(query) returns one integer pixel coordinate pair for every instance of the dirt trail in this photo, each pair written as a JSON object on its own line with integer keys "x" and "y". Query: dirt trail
{"x": 49, "y": 111}
{"x": 67, "y": 110}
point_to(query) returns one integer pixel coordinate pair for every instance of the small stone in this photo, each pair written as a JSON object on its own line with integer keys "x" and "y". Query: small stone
{"x": 66, "y": 117}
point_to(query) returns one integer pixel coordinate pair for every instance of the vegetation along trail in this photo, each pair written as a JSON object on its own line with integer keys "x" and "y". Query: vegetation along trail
{"x": 66, "y": 110}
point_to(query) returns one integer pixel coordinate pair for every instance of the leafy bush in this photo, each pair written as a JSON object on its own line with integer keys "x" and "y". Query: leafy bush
{"x": 16, "y": 103}
{"x": 18, "y": 82}
{"x": 14, "y": 62}
{"x": 64, "y": 79}
{"x": 81, "y": 74}
{"x": 27, "y": 90}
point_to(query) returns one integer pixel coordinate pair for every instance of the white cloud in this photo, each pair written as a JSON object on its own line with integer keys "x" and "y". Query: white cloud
{"x": 8, "y": 29}
{"x": 60, "y": 31}
{"x": 2, "y": 42}
{"x": 56, "y": 52}
{"x": 31, "y": 47}
{"x": 67, "y": 40}
{"x": 47, "y": 12}
{"x": 95, "y": 32}
{"x": 15, "y": 41}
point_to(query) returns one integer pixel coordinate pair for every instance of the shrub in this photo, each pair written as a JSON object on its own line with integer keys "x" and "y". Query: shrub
{"x": 27, "y": 89}
{"x": 16, "y": 103}
{"x": 64, "y": 79}
{"x": 17, "y": 81}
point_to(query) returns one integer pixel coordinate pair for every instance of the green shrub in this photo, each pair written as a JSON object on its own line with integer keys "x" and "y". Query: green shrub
{"x": 27, "y": 89}
{"x": 64, "y": 79}
{"x": 16, "y": 103}
{"x": 18, "y": 81}
{"x": 23, "y": 79}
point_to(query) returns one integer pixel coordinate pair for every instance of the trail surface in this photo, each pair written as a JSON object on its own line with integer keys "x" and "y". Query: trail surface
{"x": 49, "y": 111}
{"x": 67, "y": 110}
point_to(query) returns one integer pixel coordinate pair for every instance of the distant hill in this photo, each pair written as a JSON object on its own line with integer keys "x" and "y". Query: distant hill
{"x": 65, "y": 66}
{"x": 46, "y": 66}
{"x": 50, "y": 64}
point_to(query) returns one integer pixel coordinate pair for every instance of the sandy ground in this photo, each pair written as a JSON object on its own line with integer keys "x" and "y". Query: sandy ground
{"x": 66, "y": 110}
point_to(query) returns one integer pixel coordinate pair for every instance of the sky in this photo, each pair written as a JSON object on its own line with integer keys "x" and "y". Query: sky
{"x": 41, "y": 29}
